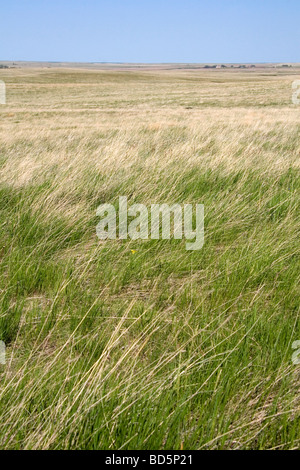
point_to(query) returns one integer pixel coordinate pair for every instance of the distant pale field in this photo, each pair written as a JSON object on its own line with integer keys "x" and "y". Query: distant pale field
{"x": 161, "y": 348}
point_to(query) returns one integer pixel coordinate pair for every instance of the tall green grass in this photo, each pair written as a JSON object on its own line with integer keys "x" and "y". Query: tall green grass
{"x": 155, "y": 348}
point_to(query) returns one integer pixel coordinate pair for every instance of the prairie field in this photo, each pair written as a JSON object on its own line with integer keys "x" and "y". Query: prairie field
{"x": 141, "y": 344}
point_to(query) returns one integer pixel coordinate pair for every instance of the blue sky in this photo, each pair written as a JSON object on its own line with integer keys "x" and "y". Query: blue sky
{"x": 150, "y": 30}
